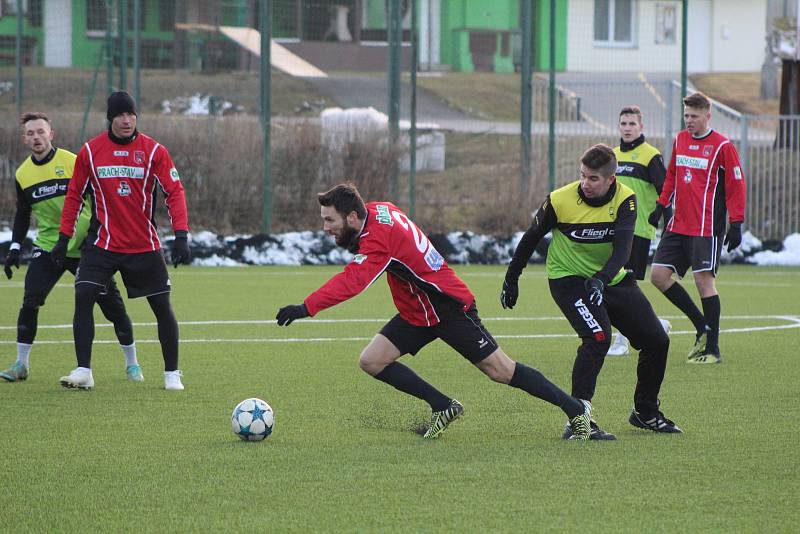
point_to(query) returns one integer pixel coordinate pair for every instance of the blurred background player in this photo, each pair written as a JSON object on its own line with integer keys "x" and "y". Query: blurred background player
{"x": 41, "y": 183}
{"x": 705, "y": 181}
{"x": 432, "y": 303}
{"x": 640, "y": 167}
{"x": 123, "y": 167}
{"x": 592, "y": 221}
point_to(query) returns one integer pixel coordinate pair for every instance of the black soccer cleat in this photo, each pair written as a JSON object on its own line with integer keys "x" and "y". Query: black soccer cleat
{"x": 595, "y": 433}
{"x": 656, "y": 423}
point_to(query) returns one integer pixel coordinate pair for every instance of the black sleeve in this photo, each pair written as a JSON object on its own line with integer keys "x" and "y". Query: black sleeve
{"x": 656, "y": 172}
{"x": 22, "y": 219}
{"x": 544, "y": 221}
{"x": 622, "y": 241}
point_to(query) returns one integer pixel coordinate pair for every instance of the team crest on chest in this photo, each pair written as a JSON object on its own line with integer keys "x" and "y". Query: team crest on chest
{"x": 707, "y": 150}
{"x": 59, "y": 171}
{"x": 138, "y": 157}
{"x": 124, "y": 189}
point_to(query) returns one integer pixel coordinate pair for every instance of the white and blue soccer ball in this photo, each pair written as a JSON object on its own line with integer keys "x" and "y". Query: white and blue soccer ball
{"x": 252, "y": 419}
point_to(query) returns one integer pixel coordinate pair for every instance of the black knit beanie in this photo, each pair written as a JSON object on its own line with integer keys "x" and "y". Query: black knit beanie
{"x": 120, "y": 102}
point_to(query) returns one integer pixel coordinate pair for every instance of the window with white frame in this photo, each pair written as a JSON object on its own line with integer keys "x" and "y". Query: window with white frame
{"x": 614, "y": 22}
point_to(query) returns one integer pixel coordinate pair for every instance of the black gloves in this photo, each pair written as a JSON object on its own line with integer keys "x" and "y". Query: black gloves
{"x": 655, "y": 215}
{"x": 12, "y": 258}
{"x": 509, "y": 294}
{"x": 59, "y": 253}
{"x": 180, "y": 249}
{"x": 594, "y": 289}
{"x": 733, "y": 238}
{"x": 287, "y": 314}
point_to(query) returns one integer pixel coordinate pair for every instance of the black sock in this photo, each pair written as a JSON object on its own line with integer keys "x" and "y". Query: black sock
{"x": 680, "y": 298}
{"x": 535, "y": 383}
{"x": 404, "y": 379}
{"x": 711, "y": 309}
{"x": 83, "y": 322}
{"x": 27, "y": 323}
{"x": 167, "y": 329}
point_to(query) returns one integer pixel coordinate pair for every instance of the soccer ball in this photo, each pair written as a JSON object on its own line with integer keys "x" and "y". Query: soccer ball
{"x": 252, "y": 419}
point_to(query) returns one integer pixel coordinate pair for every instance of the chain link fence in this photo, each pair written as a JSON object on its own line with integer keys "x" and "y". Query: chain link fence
{"x": 195, "y": 69}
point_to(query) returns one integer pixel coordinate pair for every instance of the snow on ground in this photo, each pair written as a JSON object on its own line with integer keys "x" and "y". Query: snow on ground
{"x": 317, "y": 248}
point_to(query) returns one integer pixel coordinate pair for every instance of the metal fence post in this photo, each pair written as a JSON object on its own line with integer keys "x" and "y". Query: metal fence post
{"x": 266, "y": 119}
{"x": 526, "y": 103}
{"x": 551, "y": 102}
{"x": 412, "y": 132}
{"x": 122, "y": 31}
{"x": 137, "y": 43}
{"x": 684, "y": 51}
{"x": 18, "y": 58}
{"x": 395, "y": 32}
{"x": 668, "y": 133}
{"x": 109, "y": 47}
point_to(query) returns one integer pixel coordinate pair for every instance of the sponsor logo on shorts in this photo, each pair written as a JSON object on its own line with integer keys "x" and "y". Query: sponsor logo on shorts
{"x": 482, "y": 342}
{"x": 37, "y": 253}
{"x": 590, "y": 321}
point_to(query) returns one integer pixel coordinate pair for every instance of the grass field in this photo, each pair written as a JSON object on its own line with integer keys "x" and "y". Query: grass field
{"x": 343, "y": 456}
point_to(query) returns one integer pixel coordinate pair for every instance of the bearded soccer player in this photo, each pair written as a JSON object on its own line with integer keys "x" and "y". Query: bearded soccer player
{"x": 640, "y": 167}
{"x": 705, "y": 181}
{"x": 120, "y": 169}
{"x": 41, "y": 183}
{"x": 431, "y": 300}
{"x": 593, "y": 221}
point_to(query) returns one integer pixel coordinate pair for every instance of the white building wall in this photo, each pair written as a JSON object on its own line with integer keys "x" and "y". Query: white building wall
{"x": 58, "y": 33}
{"x": 738, "y": 35}
{"x": 736, "y": 40}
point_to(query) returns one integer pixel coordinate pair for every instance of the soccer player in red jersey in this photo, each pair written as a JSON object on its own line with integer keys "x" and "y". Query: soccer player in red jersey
{"x": 431, "y": 300}
{"x": 120, "y": 169}
{"x": 704, "y": 182}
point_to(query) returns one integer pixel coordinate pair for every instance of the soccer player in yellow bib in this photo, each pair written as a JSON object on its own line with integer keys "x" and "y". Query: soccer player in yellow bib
{"x": 640, "y": 167}
{"x": 593, "y": 221}
{"x": 41, "y": 183}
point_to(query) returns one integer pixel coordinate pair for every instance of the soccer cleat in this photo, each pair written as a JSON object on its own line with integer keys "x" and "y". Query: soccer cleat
{"x": 581, "y": 424}
{"x": 656, "y": 423}
{"x": 595, "y": 434}
{"x": 619, "y": 347}
{"x": 440, "y": 420}
{"x": 16, "y": 373}
{"x": 79, "y": 378}
{"x": 134, "y": 373}
{"x": 172, "y": 380}
{"x": 699, "y": 345}
{"x": 707, "y": 356}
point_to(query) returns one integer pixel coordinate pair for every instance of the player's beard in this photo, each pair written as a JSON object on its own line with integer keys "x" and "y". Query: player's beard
{"x": 348, "y": 238}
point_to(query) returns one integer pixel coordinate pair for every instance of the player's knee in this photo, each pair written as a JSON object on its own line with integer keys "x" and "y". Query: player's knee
{"x": 594, "y": 347}
{"x": 660, "y": 277}
{"x": 369, "y": 363}
{"x": 498, "y": 367}
{"x": 86, "y": 295}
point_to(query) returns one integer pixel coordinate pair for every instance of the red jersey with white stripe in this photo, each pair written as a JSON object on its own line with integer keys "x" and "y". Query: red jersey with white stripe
{"x": 706, "y": 177}
{"x": 122, "y": 180}
{"x": 419, "y": 278}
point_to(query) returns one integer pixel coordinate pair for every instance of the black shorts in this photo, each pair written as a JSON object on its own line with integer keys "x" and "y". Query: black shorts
{"x": 624, "y": 307}
{"x": 460, "y": 329}
{"x": 640, "y": 253}
{"x": 144, "y": 274}
{"x": 679, "y": 252}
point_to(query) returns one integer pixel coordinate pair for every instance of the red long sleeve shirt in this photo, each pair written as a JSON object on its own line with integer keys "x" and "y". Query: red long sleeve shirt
{"x": 707, "y": 180}
{"x": 419, "y": 278}
{"x": 122, "y": 180}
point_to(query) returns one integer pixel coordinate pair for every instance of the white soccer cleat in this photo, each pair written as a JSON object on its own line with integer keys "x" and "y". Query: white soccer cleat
{"x": 78, "y": 378}
{"x": 619, "y": 347}
{"x": 172, "y": 380}
{"x": 666, "y": 325}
